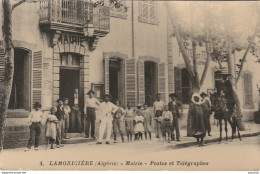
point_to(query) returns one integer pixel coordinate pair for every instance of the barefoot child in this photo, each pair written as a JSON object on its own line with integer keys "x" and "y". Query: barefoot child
{"x": 129, "y": 122}
{"x": 147, "y": 122}
{"x": 118, "y": 121}
{"x": 167, "y": 119}
{"x": 51, "y": 128}
{"x": 139, "y": 127}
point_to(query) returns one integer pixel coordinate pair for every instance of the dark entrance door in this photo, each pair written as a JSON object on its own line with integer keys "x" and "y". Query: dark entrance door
{"x": 19, "y": 98}
{"x": 150, "y": 69}
{"x": 69, "y": 81}
{"x": 116, "y": 80}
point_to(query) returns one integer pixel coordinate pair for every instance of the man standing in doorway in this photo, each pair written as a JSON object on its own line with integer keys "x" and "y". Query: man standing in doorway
{"x": 60, "y": 113}
{"x": 106, "y": 110}
{"x": 158, "y": 109}
{"x": 76, "y": 114}
{"x": 90, "y": 112}
{"x": 174, "y": 107}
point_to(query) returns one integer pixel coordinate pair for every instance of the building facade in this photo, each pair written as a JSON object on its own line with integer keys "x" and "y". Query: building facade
{"x": 128, "y": 56}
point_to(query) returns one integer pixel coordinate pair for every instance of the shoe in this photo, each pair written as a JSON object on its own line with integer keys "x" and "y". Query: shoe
{"x": 178, "y": 140}
{"x": 52, "y": 148}
{"x": 61, "y": 145}
{"x": 86, "y": 136}
{"x": 114, "y": 141}
{"x": 28, "y": 149}
{"x": 58, "y": 146}
{"x": 107, "y": 142}
{"x": 67, "y": 137}
{"x": 36, "y": 148}
{"x": 210, "y": 135}
{"x": 99, "y": 143}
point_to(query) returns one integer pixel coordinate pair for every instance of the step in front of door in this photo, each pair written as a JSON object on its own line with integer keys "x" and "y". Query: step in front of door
{"x": 76, "y": 135}
{"x": 77, "y": 140}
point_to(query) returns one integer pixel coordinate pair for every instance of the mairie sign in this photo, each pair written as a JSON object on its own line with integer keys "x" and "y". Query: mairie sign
{"x": 71, "y": 39}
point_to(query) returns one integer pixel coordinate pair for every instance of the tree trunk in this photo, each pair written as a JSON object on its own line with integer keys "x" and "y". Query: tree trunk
{"x": 245, "y": 54}
{"x": 235, "y": 96}
{"x": 241, "y": 126}
{"x": 180, "y": 41}
{"x": 6, "y": 84}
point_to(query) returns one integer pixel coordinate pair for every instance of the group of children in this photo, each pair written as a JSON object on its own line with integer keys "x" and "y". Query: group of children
{"x": 56, "y": 124}
{"x": 138, "y": 122}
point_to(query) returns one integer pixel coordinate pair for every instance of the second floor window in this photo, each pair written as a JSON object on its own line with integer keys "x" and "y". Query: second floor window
{"x": 148, "y": 11}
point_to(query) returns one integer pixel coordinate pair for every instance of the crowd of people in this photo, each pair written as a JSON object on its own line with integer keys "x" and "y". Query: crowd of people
{"x": 113, "y": 118}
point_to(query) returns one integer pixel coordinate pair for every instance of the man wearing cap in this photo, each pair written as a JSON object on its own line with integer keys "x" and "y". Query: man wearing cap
{"x": 60, "y": 114}
{"x": 158, "y": 107}
{"x": 106, "y": 110}
{"x": 90, "y": 112}
{"x": 174, "y": 107}
{"x": 207, "y": 110}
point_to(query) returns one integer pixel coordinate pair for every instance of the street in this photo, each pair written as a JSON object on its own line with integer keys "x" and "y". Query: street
{"x": 149, "y": 155}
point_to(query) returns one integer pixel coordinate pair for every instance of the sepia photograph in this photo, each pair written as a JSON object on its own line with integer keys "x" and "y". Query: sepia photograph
{"x": 129, "y": 85}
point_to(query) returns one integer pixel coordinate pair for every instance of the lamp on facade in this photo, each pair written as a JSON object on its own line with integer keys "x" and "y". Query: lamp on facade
{"x": 88, "y": 29}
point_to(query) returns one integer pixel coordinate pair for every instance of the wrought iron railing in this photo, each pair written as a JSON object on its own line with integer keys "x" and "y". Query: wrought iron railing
{"x": 75, "y": 12}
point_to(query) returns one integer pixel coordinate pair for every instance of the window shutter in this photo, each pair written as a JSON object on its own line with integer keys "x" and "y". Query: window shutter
{"x": 248, "y": 89}
{"x": 145, "y": 9}
{"x": 106, "y": 75}
{"x": 178, "y": 82}
{"x": 2, "y": 63}
{"x": 161, "y": 80}
{"x": 141, "y": 85}
{"x": 130, "y": 81}
{"x": 152, "y": 10}
{"x": 37, "y": 77}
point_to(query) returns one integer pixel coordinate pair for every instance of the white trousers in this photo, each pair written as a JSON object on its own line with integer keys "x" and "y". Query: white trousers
{"x": 106, "y": 124}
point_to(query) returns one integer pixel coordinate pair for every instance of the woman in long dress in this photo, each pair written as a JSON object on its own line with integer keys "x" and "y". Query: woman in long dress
{"x": 196, "y": 113}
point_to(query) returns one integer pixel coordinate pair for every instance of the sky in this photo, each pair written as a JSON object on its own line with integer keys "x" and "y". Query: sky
{"x": 239, "y": 18}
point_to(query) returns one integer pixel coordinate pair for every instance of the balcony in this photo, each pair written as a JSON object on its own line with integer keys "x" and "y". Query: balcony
{"x": 71, "y": 15}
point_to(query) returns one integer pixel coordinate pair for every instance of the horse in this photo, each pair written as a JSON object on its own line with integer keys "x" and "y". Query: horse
{"x": 219, "y": 107}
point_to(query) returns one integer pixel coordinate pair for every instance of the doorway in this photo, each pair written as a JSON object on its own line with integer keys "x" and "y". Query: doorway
{"x": 116, "y": 80}
{"x": 151, "y": 87}
{"x": 20, "y": 93}
{"x": 69, "y": 81}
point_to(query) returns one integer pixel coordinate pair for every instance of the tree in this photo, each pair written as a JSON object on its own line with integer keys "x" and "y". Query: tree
{"x": 227, "y": 31}
{"x": 197, "y": 35}
{"x": 6, "y": 83}
{"x": 186, "y": 32}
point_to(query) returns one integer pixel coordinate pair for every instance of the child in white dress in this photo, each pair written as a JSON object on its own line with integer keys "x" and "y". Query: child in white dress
{"x": 139, "y": 127}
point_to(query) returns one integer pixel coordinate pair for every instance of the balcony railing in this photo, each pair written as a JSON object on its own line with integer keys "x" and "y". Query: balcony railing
{"x": 71, "y": 15}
